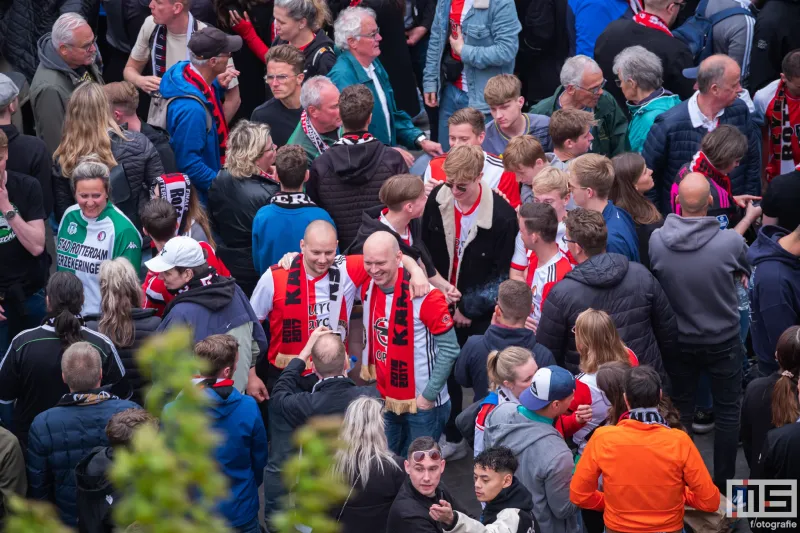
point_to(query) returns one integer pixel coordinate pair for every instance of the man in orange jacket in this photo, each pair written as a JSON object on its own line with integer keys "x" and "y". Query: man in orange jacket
{"x": 649, "y": 470}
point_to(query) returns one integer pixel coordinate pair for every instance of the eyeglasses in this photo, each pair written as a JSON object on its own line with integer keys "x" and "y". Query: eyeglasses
{"x": 86, "y": 47}
{"x": 269, "y": 78}
{"x": 572, "y": 187}
{"x": 419, "y": 456}
{"x": 270, "y": 148}
{"x": 372, "y": 34}
{"x": 565, "y": 240}
{"x": 450, "y": 185}
{"x": 595, "y": 90}
{"x": 618, "y": 82}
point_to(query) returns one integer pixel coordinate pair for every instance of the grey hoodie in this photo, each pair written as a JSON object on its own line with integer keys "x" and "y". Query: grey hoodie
{"x": 697, "y": 264}
{"x": 734, "y": 35}
{"x": 545, "y": 465}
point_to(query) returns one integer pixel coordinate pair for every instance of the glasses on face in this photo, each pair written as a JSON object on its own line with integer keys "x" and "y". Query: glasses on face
{"x": 419, "y": 456}
{"x": 450, "y": 185}
{"x": 594, "y": 90}
{"x": 372, "y": 34}
{"x": 270, "y": 148}
{"x": 565, "y": 240}
{"x": 86, "y": 47}
{"x": 269, "y": 78}
{"x": 572, "y": 187}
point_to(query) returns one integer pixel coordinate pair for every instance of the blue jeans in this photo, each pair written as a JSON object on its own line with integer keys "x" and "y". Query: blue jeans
{"x": 35, "y": 310}
{"x": 452, "y": 100}
{"x": 251, "y": 527}
{"x": 401, "y": 430}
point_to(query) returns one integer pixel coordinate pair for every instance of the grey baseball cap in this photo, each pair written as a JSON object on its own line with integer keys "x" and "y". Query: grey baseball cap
{"x": 9, "y": 87}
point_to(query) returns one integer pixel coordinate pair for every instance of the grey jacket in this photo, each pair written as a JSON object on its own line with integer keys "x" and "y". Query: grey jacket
{"x": 734, "y": 35}
{"x": 545, "y": 465}
{"x": 697, "y": 264}
{"x": 51, "y": 89}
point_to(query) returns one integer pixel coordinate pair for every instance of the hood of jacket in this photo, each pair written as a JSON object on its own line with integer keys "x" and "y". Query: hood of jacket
{"x": 48, "y": 56}
{"x": 356, "y": 164}
{"x": 90, "y": 397}
{"x": 321, "y": 40}
{"x": 224, "y": 401}
{"x": 515, "y": 496}
{"x": 502, "y": 337}
{"x": 602, "y": 270}
{"x": 174, "y": 84}
{"x": 91, "y": 472}
{"x": 137, "y": 313}
{"x": 687, "y": 234}
{"x": 213, "y": 297}
{"x": 11, "y": 132}
{"x": 662, "y": 102}
{"x": 507, "y": 427}
{"x": 766, "y": 248}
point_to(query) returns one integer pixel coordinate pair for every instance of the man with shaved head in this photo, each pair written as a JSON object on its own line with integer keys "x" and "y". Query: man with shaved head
{"x": 411, "y": 346}
{"x": 676, "y": 134}
{"x": 698, "y": 264}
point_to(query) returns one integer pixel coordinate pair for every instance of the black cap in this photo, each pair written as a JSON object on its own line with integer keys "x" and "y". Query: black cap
{"x": 211, "y": 42}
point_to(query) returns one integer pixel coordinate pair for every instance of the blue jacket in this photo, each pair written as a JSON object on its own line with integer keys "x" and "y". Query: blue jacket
{"x": 586, "y": 20}
{"x": 490, "y": 47}
{"x": 400, "y": 130}
{"x": 279, "y": 226}
{"x": 59, "y": 438}
{"x": 622, "y": 237}
{"x": 242, "y": 453}
{"x": 196, "y": 147}
{"x": 673, "y": 141}
{"x": 775, "y": 291}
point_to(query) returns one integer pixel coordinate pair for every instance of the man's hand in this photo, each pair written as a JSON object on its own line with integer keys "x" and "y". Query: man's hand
{"x": 442, "y": 513}
{"x": 227, "y": 77}
{"x": 531, "y": 324}
{"x": 583, "y": 413}
{"x": 430, "y": 100}
{"x": 5, "y": 203}
{"x": 431, "y": 148}
{"x": 743, "y": 199}
{"x": 419, "y": 284}
{"x": 148, "y": 84}
{"x": 423, "y": 404}
{"x": 430, "y": 185}
{"x": 752, "y": 211}
{"x": 415, "y": 35}
{"x": 286, "y": 261}
{"x": 504, "y": 197}
{"x": 407, "y": 157}
{"x": 457, "y": 41}
{"x": 312, "y": 340}
{"x": 452, "y": 295}
{"x": 460, "y": 320}
{"x": 255, "y": 387}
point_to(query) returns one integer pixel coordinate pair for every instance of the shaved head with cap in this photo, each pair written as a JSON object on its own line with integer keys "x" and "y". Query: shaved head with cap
{"x": 382, "y": 258}
{"x": 319, "y": 247}
{"x": 694, "y": 195}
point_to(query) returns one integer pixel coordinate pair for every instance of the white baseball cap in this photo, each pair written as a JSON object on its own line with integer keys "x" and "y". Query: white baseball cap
{"x": 182, "y": 252}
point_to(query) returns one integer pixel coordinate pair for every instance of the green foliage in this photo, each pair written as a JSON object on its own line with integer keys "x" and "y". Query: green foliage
{"x": 32, "y": 517}
{"x": 313, "y": 487}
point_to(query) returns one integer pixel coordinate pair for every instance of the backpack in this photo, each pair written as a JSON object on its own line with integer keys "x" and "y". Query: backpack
{"x": 698, "y": 30}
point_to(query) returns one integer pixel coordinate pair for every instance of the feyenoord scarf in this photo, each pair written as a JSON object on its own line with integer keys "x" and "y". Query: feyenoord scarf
{"x": 312, "y": 134}
{"x": 390, "y": 355}
{"x": 651, "y": 21}
{"x": 352, "y": 139}
{"x": 645, "y": 415}
{"x": 782, "y": 136}
{"x": 701, "y": 164}
{"x": 297, "y": 313}
{"x": 158, "y": 54}
{"x": 177, "y": 190}
{"x": 191, "y": 75}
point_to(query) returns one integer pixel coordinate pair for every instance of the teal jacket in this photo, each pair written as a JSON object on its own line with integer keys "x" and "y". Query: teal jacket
{"x": 609, "y": 134}
{"x": 643, "y": 116}
{"x": 400, "y": 130}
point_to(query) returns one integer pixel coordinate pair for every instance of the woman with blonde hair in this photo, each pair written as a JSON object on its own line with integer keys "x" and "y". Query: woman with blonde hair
{"x": 367, "y": 467}
{"x": 89, "y": 128}
{"x": 122, "y": 319}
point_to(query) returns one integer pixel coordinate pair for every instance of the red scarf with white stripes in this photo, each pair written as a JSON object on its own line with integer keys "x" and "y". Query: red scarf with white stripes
{"x": 193, "y": 77}
{"x": 651, "y": 21}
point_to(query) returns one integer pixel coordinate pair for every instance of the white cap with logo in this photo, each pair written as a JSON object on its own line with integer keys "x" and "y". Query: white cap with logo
{"x": 182, "y": 252}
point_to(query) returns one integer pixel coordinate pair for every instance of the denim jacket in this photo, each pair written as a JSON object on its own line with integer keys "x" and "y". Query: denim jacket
{"x": 491, "y": 30}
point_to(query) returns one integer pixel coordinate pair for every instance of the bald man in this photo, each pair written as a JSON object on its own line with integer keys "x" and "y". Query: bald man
{"x": 411, "y": 346}
{"x": 698, "y": 264}
{"x": 677, "y": 133}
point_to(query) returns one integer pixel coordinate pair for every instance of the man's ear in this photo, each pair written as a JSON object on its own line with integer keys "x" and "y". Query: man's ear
{"x": 301, "y": 77}
{"x": 308, "y": 174}
{"x": 710, "y": 201}
{"x": 521, "y": 100}
{"x": 507, "y": 480}
{"x": 408, "y": 466}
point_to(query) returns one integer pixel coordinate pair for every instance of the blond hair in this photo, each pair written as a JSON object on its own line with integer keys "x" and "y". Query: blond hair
{"x": 501, "y": 89}
{"x": 569, "y": 124}
{"x": 464, "y": 163}
{"x": 522, "y": 151}
{"x": 594, "y": 171}
{"x": 123, "y": 95}
{"x": 598, "y": 341}
{"x": 398, "y": 190}
{"x": 551, "y": 179}
{"x": 120, "y": 293}
{"x": 86, "y": 129}
{"x": 246, "y": 144}
{"x": 501, "y": 366}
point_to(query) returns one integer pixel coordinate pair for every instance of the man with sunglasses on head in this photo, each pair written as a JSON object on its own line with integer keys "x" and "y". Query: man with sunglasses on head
{"x": 582, "y": 84}
{"x": 285, "y": 65}
{"x": 410, "y": 511}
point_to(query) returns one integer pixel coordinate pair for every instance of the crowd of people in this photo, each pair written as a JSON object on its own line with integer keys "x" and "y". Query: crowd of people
{"x": 370, "y": 208}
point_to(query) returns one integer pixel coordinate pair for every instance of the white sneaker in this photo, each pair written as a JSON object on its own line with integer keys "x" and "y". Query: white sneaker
{"x": 453, "y": 451}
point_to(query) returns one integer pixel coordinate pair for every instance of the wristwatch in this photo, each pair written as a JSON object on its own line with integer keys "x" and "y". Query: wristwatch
{"x": 418, "y": 140}
{"x": 9, "y": 215}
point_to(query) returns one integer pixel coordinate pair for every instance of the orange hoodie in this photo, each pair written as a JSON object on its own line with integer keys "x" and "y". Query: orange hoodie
{"x": 649, "y": 473}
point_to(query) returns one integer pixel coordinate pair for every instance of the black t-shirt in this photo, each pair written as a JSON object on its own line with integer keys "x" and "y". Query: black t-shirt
{"x": 282, "y": 120}
{"x": 17, "y": 265}
{"x": 782, "y": 198}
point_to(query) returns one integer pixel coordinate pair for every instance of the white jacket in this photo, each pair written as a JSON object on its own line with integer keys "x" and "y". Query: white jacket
{"x": 507, "y": 522}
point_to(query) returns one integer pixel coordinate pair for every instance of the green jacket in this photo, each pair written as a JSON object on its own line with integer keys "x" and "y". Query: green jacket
{"x": 643, "y": 116}
{"x": 400, "y": 130}
{"x": 610, "y": 133}
{"x": 300, "y": 138}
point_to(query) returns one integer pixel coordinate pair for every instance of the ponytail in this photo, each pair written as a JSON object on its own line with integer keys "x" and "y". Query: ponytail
{"x": 68, "y": 327}
{"x": 491, "y": 370}
{"x": 785, "y": 406}
{"x": 322, "y": 17}
{"x": 64, "y": 303}
{"x": 502, "y": 366}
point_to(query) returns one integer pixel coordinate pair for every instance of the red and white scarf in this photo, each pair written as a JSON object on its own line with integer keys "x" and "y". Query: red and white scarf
{"x": 784, "y": 150}
{"x": 651, "y": 21}
{"x": 311, "y": 132}
{"x": 194, "y": 78}
{"x": 701, "y": 164}
{"x": 177, "y": 190}
{"x": 355, "y": 138}
{"x": 390, "y": 355}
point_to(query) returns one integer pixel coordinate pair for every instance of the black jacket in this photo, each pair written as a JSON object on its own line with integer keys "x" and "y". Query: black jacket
{"x": 124, "y": 19}
{"x": 757, "y": 416}
{"x": 319, "y": 55}
{"x": 94, "y": 490}
{"x": 368, "y": 507}
{"x": 470, "y": 369}
{"x": 626, "y": 291}
{"x": 779, "y": 460}
{"x": 515, "y": 496}
{"x": 773, "y": 38}
{"x": 160, "y": 139}
{"x": 145, "y": 323}
{"x": 232, "y": 206}
{"x": 486, "y": 257}
{"x": 328, "y": 397}
{"x": 370, "y": 223}
{"x": 674, "y": 55}
{"x": 543, "y": 46}
{"x": 410, "y": 510}
{"x": 28, "y": 155}
{"x": 346, "y": 179}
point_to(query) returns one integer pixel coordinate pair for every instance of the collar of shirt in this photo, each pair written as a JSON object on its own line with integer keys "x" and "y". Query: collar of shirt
{"x": 698, "y": 118}
{"x": 323, "y": 380}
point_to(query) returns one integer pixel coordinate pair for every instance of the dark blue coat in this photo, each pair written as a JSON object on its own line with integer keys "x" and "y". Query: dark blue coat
{"x": 59, "y": 438}
{"x": 673, "y": 141}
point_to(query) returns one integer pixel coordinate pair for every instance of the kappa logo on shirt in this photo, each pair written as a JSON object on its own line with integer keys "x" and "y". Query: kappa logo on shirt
{"x": 132, "y": 246}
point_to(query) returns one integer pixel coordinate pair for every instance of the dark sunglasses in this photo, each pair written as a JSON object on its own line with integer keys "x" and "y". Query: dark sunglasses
{"x": 419, "y": 456}
{"x": 449, "y": 185}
